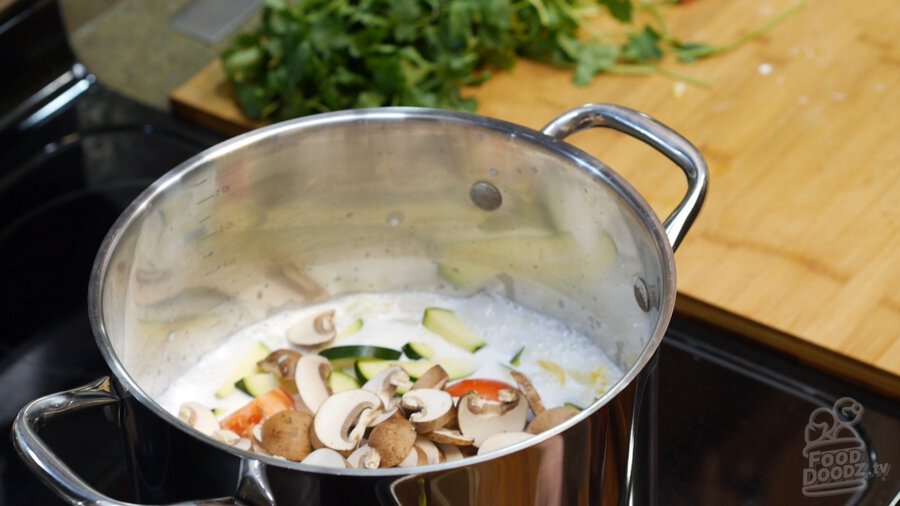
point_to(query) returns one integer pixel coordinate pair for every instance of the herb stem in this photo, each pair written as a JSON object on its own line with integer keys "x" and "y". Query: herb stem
{"x": 711, "y": 50}
{"x": 631, "y": 69}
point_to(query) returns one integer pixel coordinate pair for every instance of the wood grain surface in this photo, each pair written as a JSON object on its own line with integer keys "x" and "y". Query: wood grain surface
{"x": 800, "y": 233}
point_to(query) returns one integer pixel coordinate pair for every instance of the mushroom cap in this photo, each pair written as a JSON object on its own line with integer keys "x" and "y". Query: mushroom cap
{"x": 432, "y": 408}
{"x": 435, "y": 377}
{"x": 386, "y": 382}
{"x": 393, "y": 439}
{"x": 480, "y": 418}
{"x": 502, "y": 440}
{"x": 311, "y": 376}
{"x": 325, "y": 457}
{"x": 312, "y": 329}
{"x": 534, "y": 399}
{"x": 550, "y": 418}
{"x": 281, "y": 362}
{"x": 199, "y": 417}
{"x": 343, "y": 418}
{"x": 286, "y": 434}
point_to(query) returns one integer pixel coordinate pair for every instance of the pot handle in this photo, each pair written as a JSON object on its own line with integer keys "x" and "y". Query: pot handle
{"x": 46, "y": 465}
{"x": 658, "y": 136}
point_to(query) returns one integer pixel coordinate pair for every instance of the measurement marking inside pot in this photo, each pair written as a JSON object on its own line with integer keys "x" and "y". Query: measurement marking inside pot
{"x": 207, "y": 198}
{"x": 205, "y": 218}
{"x": 208, "y": 255}
{"x": 213, "y": 270}
{"x": 198, "y": 183}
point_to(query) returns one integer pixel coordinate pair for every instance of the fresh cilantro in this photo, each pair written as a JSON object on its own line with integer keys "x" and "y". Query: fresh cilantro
{"x": 622, "y": 10}
{"x": 642, "y": 46}
{"x": 310, "y": 56}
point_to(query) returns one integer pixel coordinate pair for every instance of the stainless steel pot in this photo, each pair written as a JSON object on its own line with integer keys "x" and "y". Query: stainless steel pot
{"x": 385, "y": 200}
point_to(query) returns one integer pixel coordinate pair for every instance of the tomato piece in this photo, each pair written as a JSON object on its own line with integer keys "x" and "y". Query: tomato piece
{"x": 242, "y": 421}
{"x": 487, "y": 388}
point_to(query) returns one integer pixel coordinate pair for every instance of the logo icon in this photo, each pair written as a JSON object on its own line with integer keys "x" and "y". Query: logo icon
{"x": 837, "y": 458}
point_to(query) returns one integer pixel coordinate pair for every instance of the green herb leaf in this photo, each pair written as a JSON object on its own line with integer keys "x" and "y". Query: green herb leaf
{"x": 622, "y": 10}
{"x": 310, "y": 56}
{"x": 643, "y": 46}
{"x": 592, "y": 59}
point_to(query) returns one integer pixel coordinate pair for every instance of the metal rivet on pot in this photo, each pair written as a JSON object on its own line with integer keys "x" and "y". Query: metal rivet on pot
{"x": 641, "y": 295}
{"x": 486, "y": 196}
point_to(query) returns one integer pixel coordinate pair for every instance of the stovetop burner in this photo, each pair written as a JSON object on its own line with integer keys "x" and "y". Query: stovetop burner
{"x": 730, "y": 418}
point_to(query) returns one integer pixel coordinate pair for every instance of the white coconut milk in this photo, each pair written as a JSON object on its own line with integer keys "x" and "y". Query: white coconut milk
{"x": 565, "y": 366}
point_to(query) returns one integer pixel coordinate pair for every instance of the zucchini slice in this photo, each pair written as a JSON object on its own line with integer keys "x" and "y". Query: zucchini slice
{"x": 246, "y": 365}
{"x": 456, "y": 367}
{"x": 448, "y": 325}
{"x": 417, "y": 350}
{"x": 516, "y": 360}
{"x": 257, "y": 384}
{"x": 343, "y": 357}
{"x": 339, "y": 381}
{"x": 351, "y": 329}
{"x": 366, "y": 369}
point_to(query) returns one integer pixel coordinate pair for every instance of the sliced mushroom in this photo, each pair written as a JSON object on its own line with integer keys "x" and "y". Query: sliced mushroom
{"x": 432, "y": 454}
{"x": 311, "y": 376}
{"x": 502, "y": 440}
{"x": 393, "y": 408}
{"x": 314, "y": 439}
{"x": 286, "y": 434}
{"x": 282, "y": 363}
{"x": 415, "y": 457}
{"x": 364, "y": 457}
{"x": 480, "y": 418}
{"x": 198, "y": 417}
{"x": 436, "y": 378}
{"x": 449, "y": 437}
{"x": 550, "y": 418}
{"x": 393, "y": 439}
{"x": 313, "y": 330}
{"x": 534, "y": 399}
{"x": 325, "y": 457}
{"x": 451, "y": 452}
{"x": 431, "y": 408}
{"x": 256, "y": 440}
{"x": 386, "y": 383}
{"x": 343, "y": 418}
{"x": 231, "y": 438}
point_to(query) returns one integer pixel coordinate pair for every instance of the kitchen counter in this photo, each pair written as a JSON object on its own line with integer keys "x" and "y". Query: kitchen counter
{"x": 800, "y": 234}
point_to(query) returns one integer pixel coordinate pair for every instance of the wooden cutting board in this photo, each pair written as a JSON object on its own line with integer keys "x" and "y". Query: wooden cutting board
{"x": 800, "y": 233}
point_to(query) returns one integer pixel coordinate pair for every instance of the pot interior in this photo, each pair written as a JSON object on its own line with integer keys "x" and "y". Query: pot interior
{"x": 377, "y": 201}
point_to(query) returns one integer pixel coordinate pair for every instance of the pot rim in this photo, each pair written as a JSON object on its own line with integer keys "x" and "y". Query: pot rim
{"x": 600, "y": 172}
